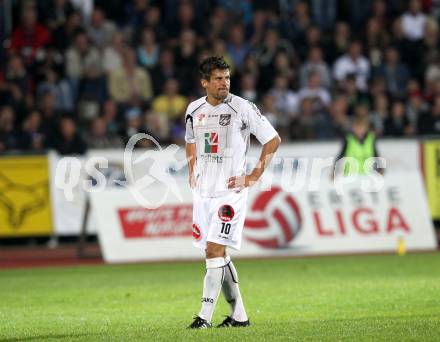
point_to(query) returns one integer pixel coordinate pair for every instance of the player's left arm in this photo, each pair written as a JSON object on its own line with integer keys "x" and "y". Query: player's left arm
{"x": 268, "y": 137}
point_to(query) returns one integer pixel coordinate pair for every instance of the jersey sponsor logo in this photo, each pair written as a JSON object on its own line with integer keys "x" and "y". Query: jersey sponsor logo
{"x": 196, "y": 232}
{"x": 225, "y": 119}
{"x": 226, "y": 213}
{"x": 211, "y": 142}
{"x": 209, "y": 158}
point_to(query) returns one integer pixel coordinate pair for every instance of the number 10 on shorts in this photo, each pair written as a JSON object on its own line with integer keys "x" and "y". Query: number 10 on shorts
{"x": 226, "y": 227}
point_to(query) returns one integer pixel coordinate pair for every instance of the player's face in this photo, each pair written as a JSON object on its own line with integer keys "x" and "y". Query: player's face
{"x": 218, "y": 85}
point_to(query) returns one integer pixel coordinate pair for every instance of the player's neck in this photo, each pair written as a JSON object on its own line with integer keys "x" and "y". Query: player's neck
{"x": 213, "y": 101}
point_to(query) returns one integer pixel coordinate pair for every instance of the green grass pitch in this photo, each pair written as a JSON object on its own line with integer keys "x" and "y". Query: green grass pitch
{"x": 370, "y": 298}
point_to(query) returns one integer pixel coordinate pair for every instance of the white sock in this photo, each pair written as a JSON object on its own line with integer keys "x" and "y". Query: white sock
{"x": 212, "y": 284}
{"x": 231, "y": 291}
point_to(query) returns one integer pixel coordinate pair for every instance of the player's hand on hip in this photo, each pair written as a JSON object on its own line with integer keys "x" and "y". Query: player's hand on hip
{"x": 240, "y": 182}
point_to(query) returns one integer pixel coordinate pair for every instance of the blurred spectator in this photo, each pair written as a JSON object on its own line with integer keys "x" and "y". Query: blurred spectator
{"x": 397, "y": 124}
{"x": 60, "y": 89}
{"x": 29, "y": 38}
{"x": 353, "y": 94}
{"x": 31, "y": 136}
{"x": 112, "y": 55}
{"x": 187, "y": 58}
{"x": 339, "y": 43}
{"x": 186, "y": 20}
{"x": 324, "y": 13}
{"x": 135, "y": 12}
{"x": 59, "y": 11}
{"x": 64, "y": 35}
{"x": 236, "y": 46}
{"x": 429, "y": 123}
{"x": 248, "y": 88}
{"x": 315, "y": 62}
{"x": 286, "y": 65}
{"x": 8, "y": 135}
{"x": 148, "y": 49}
{"x": 394, "y": 72}
{"x": 266, "y": 54}
{"x": 314, "y": 91}
{"x": 170, "y": 103}
{"x": 295, "y": 24}
{"x": 68, "y": 141}
{"x": 100, "y": 29}
{"x": 379, "y": 114}
{"x": 85, "y": 7}
{"x": 379, "y": 13}
{"x": 415, "y": 108}
{"x": 377, "y": 39}
{"x": 49, "y": 114}
{"x": 98, "y": 137}
{"x": 313, "y": 37}
{"x": 109, "y": 114}
{"x": 258, "y": 28}
{"x": 353, "y": 63}
{"x": 286, "y": 101}
{"x": 14, "y": 83}
{"x": 164, "y": 70}
{"x": 311, "y": 124}
{"x": 238, "y": 9}
{"x": 414, "y": 21}
{"x": 82, "y": 59}
{"x": 130, "y": 82}
{"x": 217, "y": 24}
{"x": 339, "y": 116}
{"x": 273, "y": 115}
{"x": 160, "y": 125}
{"x": 135, "y": 124}
{"x": 152, "y": 21}
{"x": 431, "y": 52}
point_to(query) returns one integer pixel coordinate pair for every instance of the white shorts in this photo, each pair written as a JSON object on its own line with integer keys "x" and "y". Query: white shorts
{"x": 219, "y": 219}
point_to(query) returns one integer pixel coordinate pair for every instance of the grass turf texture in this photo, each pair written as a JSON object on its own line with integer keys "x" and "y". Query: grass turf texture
{"x": 333, "y": 298}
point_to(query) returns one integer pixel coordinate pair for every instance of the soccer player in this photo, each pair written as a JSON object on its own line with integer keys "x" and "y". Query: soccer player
{"x": 218, "y": 128}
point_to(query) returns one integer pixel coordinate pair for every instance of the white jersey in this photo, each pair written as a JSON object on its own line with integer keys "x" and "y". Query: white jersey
{"x": 222, "y": 135}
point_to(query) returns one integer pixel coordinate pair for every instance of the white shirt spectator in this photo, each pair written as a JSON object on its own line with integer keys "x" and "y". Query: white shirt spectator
{"x": 286, "y": 101}
{"x": 413, "y": 26}
{"x": 360, "y": 67}
{"x": 313, "y": 93}
{"x": 111, "y": 59}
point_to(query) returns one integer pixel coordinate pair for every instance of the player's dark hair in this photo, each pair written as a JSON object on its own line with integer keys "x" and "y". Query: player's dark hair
{"x": 212, "y": 63}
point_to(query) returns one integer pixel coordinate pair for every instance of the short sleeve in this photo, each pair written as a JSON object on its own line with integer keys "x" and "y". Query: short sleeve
{"x": 189, "y": 133}
{"x": 258, "y": 124}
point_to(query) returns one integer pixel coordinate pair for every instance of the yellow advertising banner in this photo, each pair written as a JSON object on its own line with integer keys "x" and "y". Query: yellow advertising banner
{"x": 431, "y": 161}
{"x": 25, "y": 208}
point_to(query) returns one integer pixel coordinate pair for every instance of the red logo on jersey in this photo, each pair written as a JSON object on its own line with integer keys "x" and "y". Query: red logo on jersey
{"x": 211, "y": 142}
{"x": 226, "y": 213}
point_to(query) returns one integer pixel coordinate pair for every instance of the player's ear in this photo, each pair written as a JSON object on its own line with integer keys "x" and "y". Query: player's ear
{"x": 204, "y": 82}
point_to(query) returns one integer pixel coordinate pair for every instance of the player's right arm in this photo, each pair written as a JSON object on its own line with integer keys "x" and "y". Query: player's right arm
{"x": 191, "y": 150}
{"x": 191, "y": 159}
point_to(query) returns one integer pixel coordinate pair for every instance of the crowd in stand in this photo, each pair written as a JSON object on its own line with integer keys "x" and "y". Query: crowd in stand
{"x": 85, "y": 74}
